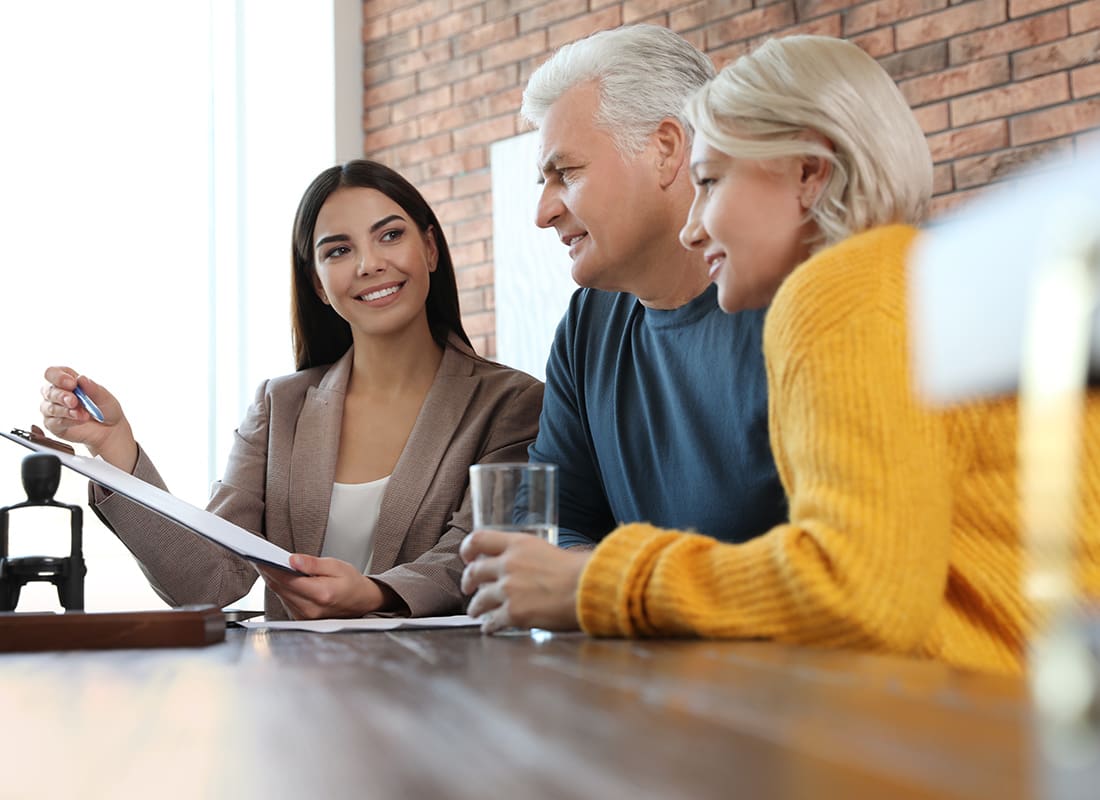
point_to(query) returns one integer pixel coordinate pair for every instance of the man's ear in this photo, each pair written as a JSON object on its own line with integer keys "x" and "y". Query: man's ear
{"x": 814, "y": 171}
{"x": 672, "y": 145}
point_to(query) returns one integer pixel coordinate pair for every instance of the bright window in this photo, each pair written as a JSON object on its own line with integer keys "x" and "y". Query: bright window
{"x": 150, "y": 168}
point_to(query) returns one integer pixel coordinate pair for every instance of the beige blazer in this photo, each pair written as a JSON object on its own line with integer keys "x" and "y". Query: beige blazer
{"x": 278, "y": 484}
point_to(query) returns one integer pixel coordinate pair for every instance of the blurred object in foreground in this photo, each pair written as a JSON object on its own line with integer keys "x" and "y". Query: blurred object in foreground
{"x": 1004, "y": 298}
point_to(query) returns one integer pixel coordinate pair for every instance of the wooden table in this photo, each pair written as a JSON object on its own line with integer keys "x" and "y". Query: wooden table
{"x": 454, "y": 714}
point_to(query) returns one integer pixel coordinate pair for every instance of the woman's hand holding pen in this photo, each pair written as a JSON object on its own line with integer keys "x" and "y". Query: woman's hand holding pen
{"x": 66, "y": 417}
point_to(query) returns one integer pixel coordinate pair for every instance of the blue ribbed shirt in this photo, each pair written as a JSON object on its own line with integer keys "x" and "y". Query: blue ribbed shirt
{"x": 659, "y": 416}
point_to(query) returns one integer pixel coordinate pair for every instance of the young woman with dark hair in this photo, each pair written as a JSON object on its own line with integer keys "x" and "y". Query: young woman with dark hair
{"x": 358, "y": 461}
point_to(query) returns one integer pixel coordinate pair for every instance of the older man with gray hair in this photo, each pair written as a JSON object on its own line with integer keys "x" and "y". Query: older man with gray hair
{"x": 656, "y": 402}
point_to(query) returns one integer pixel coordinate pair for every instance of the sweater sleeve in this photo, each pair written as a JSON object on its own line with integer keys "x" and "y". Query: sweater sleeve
{"x": 863, "y": 561}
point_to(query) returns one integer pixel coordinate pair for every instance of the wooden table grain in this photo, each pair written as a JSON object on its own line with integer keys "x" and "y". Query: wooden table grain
{"x": 454, "y": 714}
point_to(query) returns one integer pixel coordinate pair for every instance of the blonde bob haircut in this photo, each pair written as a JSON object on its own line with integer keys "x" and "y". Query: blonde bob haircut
{"x": 762, "y": 105}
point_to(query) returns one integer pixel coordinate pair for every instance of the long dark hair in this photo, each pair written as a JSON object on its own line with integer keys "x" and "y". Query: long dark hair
{"x": 319, "y": 334}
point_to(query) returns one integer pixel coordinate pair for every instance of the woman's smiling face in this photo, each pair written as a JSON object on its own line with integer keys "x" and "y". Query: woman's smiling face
{"x": 373, "y": 264}
{"x": 749, "y": 219}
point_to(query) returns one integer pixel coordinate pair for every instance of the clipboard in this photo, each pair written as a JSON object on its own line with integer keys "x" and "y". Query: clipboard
{"x": 222, "y": 532}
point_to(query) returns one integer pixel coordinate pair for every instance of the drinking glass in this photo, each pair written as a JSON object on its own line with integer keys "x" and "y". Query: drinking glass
{"x": 517, "y": 498}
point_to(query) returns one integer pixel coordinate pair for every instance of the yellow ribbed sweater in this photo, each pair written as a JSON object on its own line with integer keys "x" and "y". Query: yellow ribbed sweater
{"x": 903, "y": 533}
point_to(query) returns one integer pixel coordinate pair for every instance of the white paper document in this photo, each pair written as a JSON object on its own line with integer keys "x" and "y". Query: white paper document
{"x": 363, "y": 624}
{"x": 210, "y": 526}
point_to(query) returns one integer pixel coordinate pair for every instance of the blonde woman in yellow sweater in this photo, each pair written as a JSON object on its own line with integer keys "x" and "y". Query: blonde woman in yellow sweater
{"x": 811, "y": 173}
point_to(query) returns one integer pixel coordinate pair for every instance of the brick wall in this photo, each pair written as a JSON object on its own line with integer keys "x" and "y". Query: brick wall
{"x": 994, "y": 83}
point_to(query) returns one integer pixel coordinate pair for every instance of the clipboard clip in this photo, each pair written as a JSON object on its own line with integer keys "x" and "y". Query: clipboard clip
{"x": 37, "y": 436}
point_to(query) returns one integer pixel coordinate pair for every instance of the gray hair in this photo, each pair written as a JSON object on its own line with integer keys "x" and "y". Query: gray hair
{"x": 760, "y": 106}
{"x": 645, "y": 73}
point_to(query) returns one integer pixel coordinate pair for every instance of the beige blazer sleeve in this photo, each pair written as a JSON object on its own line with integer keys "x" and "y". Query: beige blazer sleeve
{"x": 278, "y": 484}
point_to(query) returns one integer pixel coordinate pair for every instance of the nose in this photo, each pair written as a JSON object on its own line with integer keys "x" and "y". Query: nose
{"x": 369, "y": 264}
{"x": 550, "y": 206}
{"x": 693, "y": 235}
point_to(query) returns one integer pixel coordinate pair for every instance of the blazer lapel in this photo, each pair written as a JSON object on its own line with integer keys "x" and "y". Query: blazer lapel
{"x": 436, "y": 424}
{"x": 313, "y": 459}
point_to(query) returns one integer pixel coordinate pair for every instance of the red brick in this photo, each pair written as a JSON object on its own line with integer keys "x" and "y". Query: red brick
{"x": 1009, "y": 37}
{"x": 945, "y": 24}
{"x": 808, "y": 9}
{"x": 471, "y": 184}
{"x": 730, "y": 53}
{"x": 449, "y": 72}
{"x": 486, "y": 132}
{"x": 497, "y": 9}
{"x": 452, "y": 24}
{"x": 479, "y": 228}
{"x": 968, "y": 141}
{"x": 1084, "y": 16}
{"x": 484, "y": 35}
{"x": 993, "y": 167}
{"x": 375, "y": 27}
{"x": 483, "y": 346}
{"x": 942, "y": 179}
{"x": 920, "y": 61}
{"x": 422, "y": 58}
{"x": 704, "y": 13}
{"x": 389, "y": 91}
{"x": 637, "y": 10}
{"x": 388, "y": 137}
{"x": 946, "y": 203}
{"x": 411, "y": 15}
{"x": 456, "y": 163}
{"x": 377, "y": 73}
{"x": 375, "y": 8}
{"x": 435, "y": 192}
{"x": 512, "y": 51}
{"x": 548, "y": 13}
{"x": 751, "y": 23}
{"x": 391, "y": 46}
{"x": 1025, "y": 8}
{"x": 1085, "y": 81}
{"x": 1076, "y": 51}
{"x": 876, "y": 43}
{"x": 886, "y": 12}
{"x": 1011, "y": 99}
{"x": 821, "y": 26}
{"x": 447, "y": 119}
{"x": 528, "y": 66}
{"x": 472, "y": 300}
{"x": 486, "y": 82}
{"x": 577, "y": 28}
{"x": 696, "y": 39}
{"x": 473, "y": 277}
{"x": 423, "y": 148}
{"x": 933, "y": 118}
{"x": 376, "y": 117}
{"x": 470, "y": 253}
{"x": 422, "y": 103}
{"x": 479, "y": 324}
{"x": 1054, "y": 122}
{"x": 956, "y": 81}
{"x": 506, "y": 102}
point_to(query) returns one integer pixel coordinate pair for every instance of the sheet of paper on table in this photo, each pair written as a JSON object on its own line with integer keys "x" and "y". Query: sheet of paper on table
{"x": 363, "y": 624}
